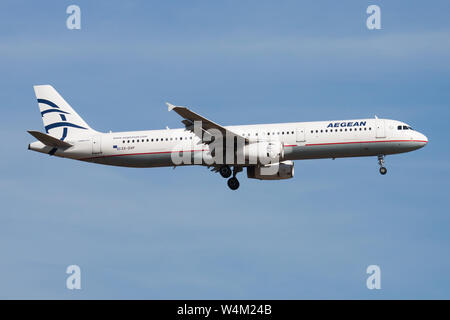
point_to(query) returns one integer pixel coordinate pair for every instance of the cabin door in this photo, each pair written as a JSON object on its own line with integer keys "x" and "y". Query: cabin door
{"x": 96, "y": 145}
{"x": 380, "y": 128}
{"x": 300, "y": 135}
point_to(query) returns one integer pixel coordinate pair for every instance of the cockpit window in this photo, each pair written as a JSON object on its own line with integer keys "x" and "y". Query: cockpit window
{"x": 404, "y": 128}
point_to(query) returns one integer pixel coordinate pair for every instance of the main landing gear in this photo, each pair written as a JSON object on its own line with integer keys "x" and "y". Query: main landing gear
{"x": 233, "y": 182}
{"x": 225, "y": 171}
{"x": 383, "y": 170}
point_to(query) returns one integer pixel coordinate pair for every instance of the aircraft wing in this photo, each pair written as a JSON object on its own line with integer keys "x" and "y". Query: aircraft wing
{"x": 190, "y": 116}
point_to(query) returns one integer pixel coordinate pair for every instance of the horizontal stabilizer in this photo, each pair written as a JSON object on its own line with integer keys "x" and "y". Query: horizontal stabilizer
{"x": 49, "y": 140}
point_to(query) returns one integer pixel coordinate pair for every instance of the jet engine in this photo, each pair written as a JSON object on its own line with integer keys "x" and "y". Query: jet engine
{"x": 275, "y": 171}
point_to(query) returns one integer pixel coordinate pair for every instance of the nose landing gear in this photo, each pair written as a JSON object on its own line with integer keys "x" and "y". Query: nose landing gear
{"x": 383, "y": 170}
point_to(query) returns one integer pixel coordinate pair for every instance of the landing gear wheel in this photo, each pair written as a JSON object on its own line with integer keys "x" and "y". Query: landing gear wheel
{"x": 233, "y": 183}
{"x": 383, "y": 170}
{"x": 225, "y": 171}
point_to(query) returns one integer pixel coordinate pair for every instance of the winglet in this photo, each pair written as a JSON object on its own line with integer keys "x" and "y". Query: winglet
{"x": 170, "y": 106}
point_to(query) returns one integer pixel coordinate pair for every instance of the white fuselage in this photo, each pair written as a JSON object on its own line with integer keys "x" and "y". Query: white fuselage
{"x": 301, "y": 140}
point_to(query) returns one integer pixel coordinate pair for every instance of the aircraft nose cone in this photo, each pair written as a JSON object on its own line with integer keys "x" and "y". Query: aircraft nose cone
{"x": 425, "y": 139}
{"x": 422, "y": 140}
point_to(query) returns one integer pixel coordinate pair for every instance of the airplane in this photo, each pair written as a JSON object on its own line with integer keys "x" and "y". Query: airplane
{"x": 200, "y": 142}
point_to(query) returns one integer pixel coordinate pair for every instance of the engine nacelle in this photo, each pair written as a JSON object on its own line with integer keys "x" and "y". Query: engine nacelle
{"x": 264, "y": 152}
{"x": 275, "y": 171}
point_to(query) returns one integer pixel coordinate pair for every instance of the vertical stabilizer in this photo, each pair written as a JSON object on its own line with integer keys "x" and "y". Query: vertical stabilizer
{"x": 60, "y": 120}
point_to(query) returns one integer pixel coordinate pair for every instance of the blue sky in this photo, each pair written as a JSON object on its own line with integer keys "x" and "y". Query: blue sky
{"x": 170, "y": 234}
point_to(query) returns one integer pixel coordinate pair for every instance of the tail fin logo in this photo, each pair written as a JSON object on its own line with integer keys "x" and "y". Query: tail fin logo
{"x": 54, "y": 108}
{"x": 58, "y": 116}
